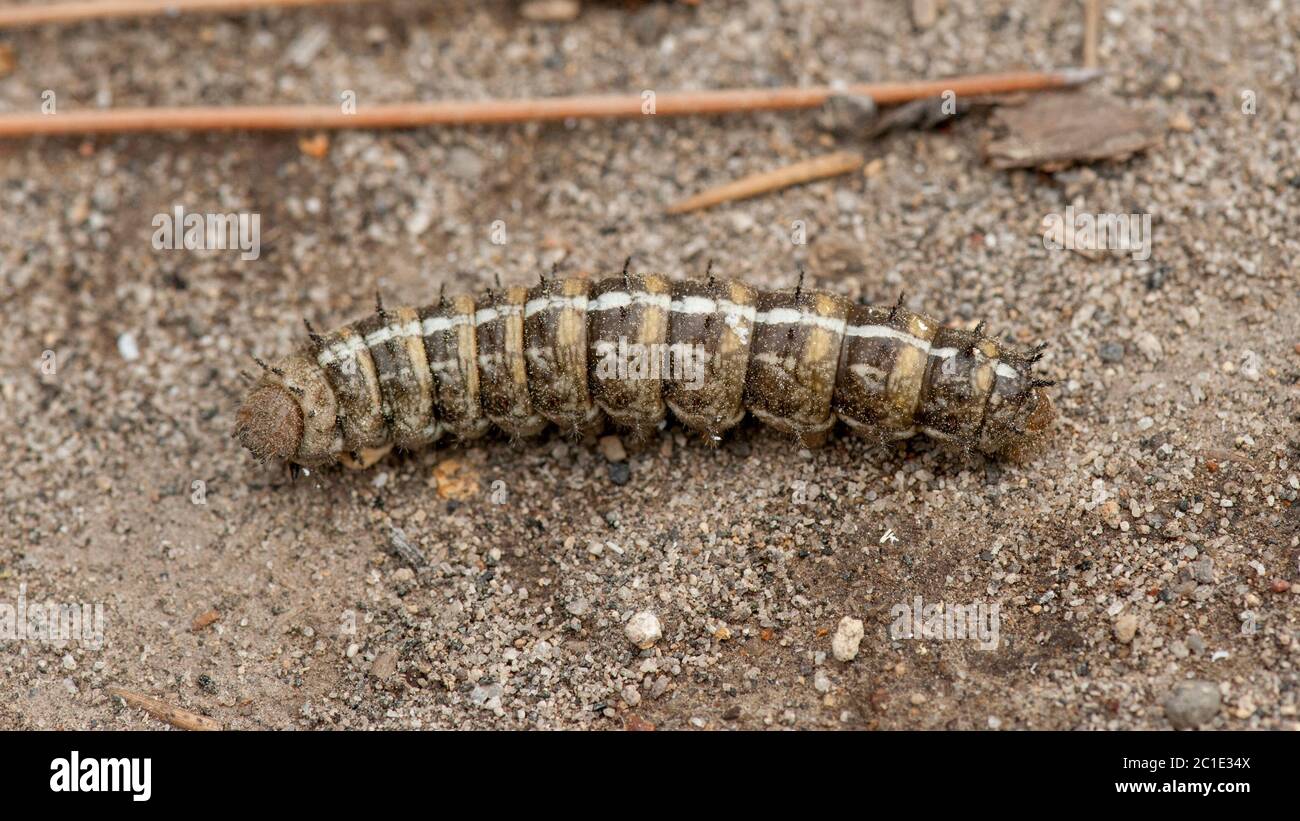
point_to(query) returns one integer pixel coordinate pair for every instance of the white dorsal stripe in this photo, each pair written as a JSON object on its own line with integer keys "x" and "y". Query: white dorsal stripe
{"x": 691, "y": 305}
{"x": 613, "y": 299}
{"x": 438, "y": 324}
{"x": 543, "y": 303}
{"x": 793, "y": 316}
{"x": 886, "y": 332}
{"x": 622, "y": 299}
{"x": 388, "y": 333}
{"x": 704, "y": 305}
{"x": 1002, "y": 369}
{"x": 346, "y": 349}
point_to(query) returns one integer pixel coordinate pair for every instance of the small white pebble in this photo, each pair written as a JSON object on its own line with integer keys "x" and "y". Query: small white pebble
{"x": 844, "y": 644}
{"x": 127, "y": 347}
{"x": 1150, "y": 347}
{"x": 643, "y": 629}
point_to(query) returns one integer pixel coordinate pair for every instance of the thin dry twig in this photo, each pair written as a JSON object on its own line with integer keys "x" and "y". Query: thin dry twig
{"x": 12, "y": 17}
{"x": 163, "y": 711}
{"x": 1091, "y": 31}
{"x": 817, "y": 168}
{"x": 492, "y": 112}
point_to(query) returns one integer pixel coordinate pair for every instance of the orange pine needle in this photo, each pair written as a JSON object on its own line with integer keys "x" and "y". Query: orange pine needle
{"x": 12, "y": 17}
{"x": 817, "y": 168}
{"x": 494, "y": 112}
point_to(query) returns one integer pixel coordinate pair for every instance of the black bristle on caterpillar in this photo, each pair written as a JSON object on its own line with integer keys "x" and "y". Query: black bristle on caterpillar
{"x": 632, "y": 348}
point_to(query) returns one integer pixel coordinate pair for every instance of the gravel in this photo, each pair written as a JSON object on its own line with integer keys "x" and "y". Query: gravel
{"x": 1192, "y": 704}
{"x": 611, "y": 447}
{"x": 848, "y": 637}
{"x": 643, "y": 629}
{"x": 1126, "y": 628}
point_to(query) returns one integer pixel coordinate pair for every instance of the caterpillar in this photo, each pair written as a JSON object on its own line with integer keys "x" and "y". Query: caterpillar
{"x": 633, "y": 348}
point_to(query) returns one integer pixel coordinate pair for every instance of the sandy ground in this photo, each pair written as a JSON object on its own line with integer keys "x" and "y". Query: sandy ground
{"x": 1152, "y": 543}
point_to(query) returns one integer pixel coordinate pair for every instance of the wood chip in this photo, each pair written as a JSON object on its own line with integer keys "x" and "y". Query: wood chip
{"x": 1054, "y": 131}
{"x": 205, "y": 619}
{"x": 456, "y": 479}
{"x": 817, "y": 168}
{"x": 550, "y": 11}
{"x": 163, "y": 711}
{"x": 315, "y": 146}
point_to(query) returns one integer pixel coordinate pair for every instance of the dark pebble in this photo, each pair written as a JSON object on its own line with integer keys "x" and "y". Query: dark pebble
{"x": 1111, "y": 352}
{"x": 1156, "y": 279}
{"x": 619, "y": 473}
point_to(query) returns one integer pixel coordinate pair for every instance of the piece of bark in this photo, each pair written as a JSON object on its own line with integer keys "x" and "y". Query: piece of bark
{"x": 1055, "y": 131}
{"x": 401, "y": 547}
{"x": 920, "y": 115}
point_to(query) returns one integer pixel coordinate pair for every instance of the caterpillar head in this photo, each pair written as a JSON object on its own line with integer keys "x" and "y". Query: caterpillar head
{"x": 270, "y": 423}
{"x": 1019, "y": 415}
{"x": 291, "y": 414}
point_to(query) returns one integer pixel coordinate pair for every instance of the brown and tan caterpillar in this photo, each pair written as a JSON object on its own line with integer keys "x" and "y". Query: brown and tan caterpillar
{"x": 632, "y": 348}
